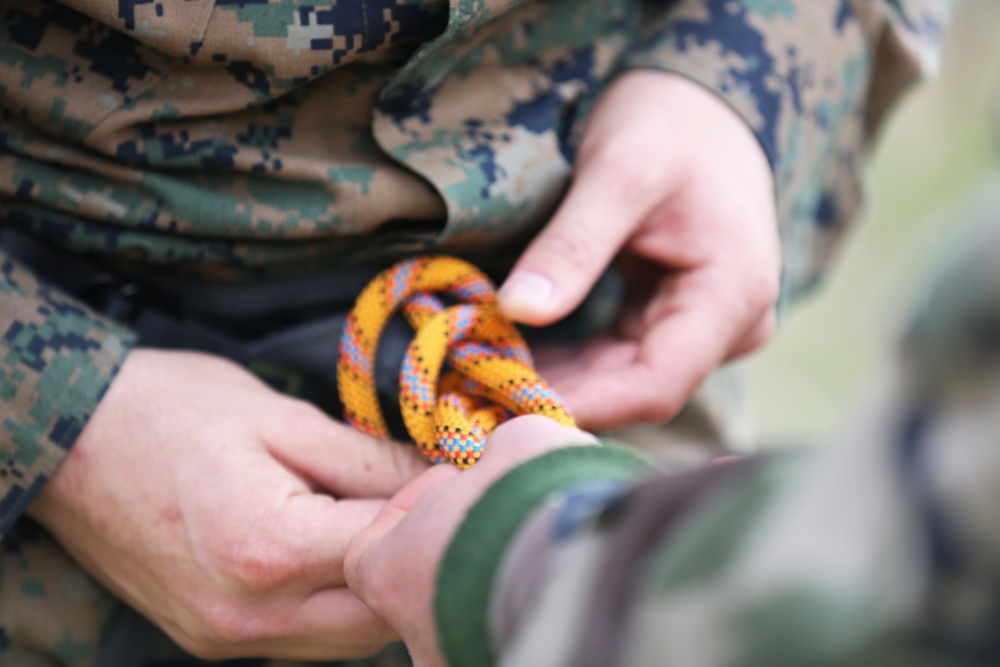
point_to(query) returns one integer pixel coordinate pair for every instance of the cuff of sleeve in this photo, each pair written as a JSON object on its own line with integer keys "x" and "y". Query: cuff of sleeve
{"x": 724, "y": 52}
{"x": 57, "y": 359}
{"x": 798, "y": 77}
{"x": 471, "y": 562}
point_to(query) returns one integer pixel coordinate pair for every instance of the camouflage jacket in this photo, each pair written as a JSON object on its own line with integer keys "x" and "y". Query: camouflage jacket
{"x": 880, "y": 550}
{"x": 238, "y": 138}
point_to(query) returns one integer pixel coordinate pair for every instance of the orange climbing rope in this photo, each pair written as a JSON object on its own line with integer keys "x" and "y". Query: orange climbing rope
{"x": 490, "y": 376}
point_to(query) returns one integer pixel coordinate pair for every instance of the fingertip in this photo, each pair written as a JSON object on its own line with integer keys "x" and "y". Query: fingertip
{"x": 528, "y": 436}
{"x": 528, "y": 297}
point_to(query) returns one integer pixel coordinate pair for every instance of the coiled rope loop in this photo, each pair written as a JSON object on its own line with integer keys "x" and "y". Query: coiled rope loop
{"x": 490, "y": 376}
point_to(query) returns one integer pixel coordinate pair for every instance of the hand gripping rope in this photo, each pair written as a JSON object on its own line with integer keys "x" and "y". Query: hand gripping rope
{"x": 448, "y": 413}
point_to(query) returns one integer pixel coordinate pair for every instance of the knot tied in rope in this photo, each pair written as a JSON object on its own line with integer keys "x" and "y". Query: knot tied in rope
{"x": 490, "y": 376}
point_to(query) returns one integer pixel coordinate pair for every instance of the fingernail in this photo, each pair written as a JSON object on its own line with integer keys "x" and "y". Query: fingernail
{"x": 526, "y": 290}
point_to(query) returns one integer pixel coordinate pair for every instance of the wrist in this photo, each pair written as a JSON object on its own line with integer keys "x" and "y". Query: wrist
{"x": 538, "y": 551}
{"x": 66, "y": 392}
{"x": 472, "y": 560}
{"x": 60, "y": 487}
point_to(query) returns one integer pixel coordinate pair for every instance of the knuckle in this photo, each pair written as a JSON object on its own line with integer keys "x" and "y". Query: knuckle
{"x": 761, "y": 334}
{"x": 261, "y": 563}
{"x": 659, "y": 404}
{"x": 572, "y": 248}
{"x": 745, "y": 302}
{"x": 658, "y": 411}
{"x": 303, "y": 418}
{"x": 766, "y": 292}
{"x": 228, "y": 630}
{"x": 221, "y": 628}
{"x": 299, "y": 421}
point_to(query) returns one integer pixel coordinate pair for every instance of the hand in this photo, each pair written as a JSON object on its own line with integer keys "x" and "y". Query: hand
{"x": 673, "y": 181}
{"x": 392, "y": 565}
{"x": 200, "y": 497}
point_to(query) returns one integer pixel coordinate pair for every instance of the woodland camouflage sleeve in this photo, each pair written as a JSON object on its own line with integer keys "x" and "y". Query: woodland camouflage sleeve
{"x": 813, "y": 79}
{"x": 56, "y": 360}
{"x": 881, "y": 550}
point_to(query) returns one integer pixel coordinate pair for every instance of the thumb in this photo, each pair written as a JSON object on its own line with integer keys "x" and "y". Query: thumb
{"x": 602, "y": 209}
{"x": 363, "y": 561}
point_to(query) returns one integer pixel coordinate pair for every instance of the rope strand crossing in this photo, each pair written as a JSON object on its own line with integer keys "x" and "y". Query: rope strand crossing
{"x": 467, "y": 369}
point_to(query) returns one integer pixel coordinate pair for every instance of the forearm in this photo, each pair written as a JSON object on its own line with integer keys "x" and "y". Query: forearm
{"x": 471, "y": 568}
{"x": 571, "y": 581}
{"x": 859, "y": 555}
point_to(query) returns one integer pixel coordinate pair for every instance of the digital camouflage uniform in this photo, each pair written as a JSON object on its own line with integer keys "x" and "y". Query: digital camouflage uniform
{"x": 882, "y": 550}
{"x": 232, "y": 140}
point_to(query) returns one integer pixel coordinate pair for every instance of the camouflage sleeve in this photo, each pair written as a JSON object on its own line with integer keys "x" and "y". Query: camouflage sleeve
{"x": 56, "y": 360}
{"x": 881, "y": 550}
{"x": 472, "y": 560}
{"x": 813, "y": 79}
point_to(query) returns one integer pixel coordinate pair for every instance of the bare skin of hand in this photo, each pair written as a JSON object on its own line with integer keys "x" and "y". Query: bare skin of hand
{"x": 392, "y": 565}
{"x": 222, "y": 510}
{"x": 673, "y": 183}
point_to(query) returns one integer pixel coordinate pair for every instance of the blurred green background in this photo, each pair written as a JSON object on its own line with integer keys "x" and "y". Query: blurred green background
{"x": 938, "y": 146}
